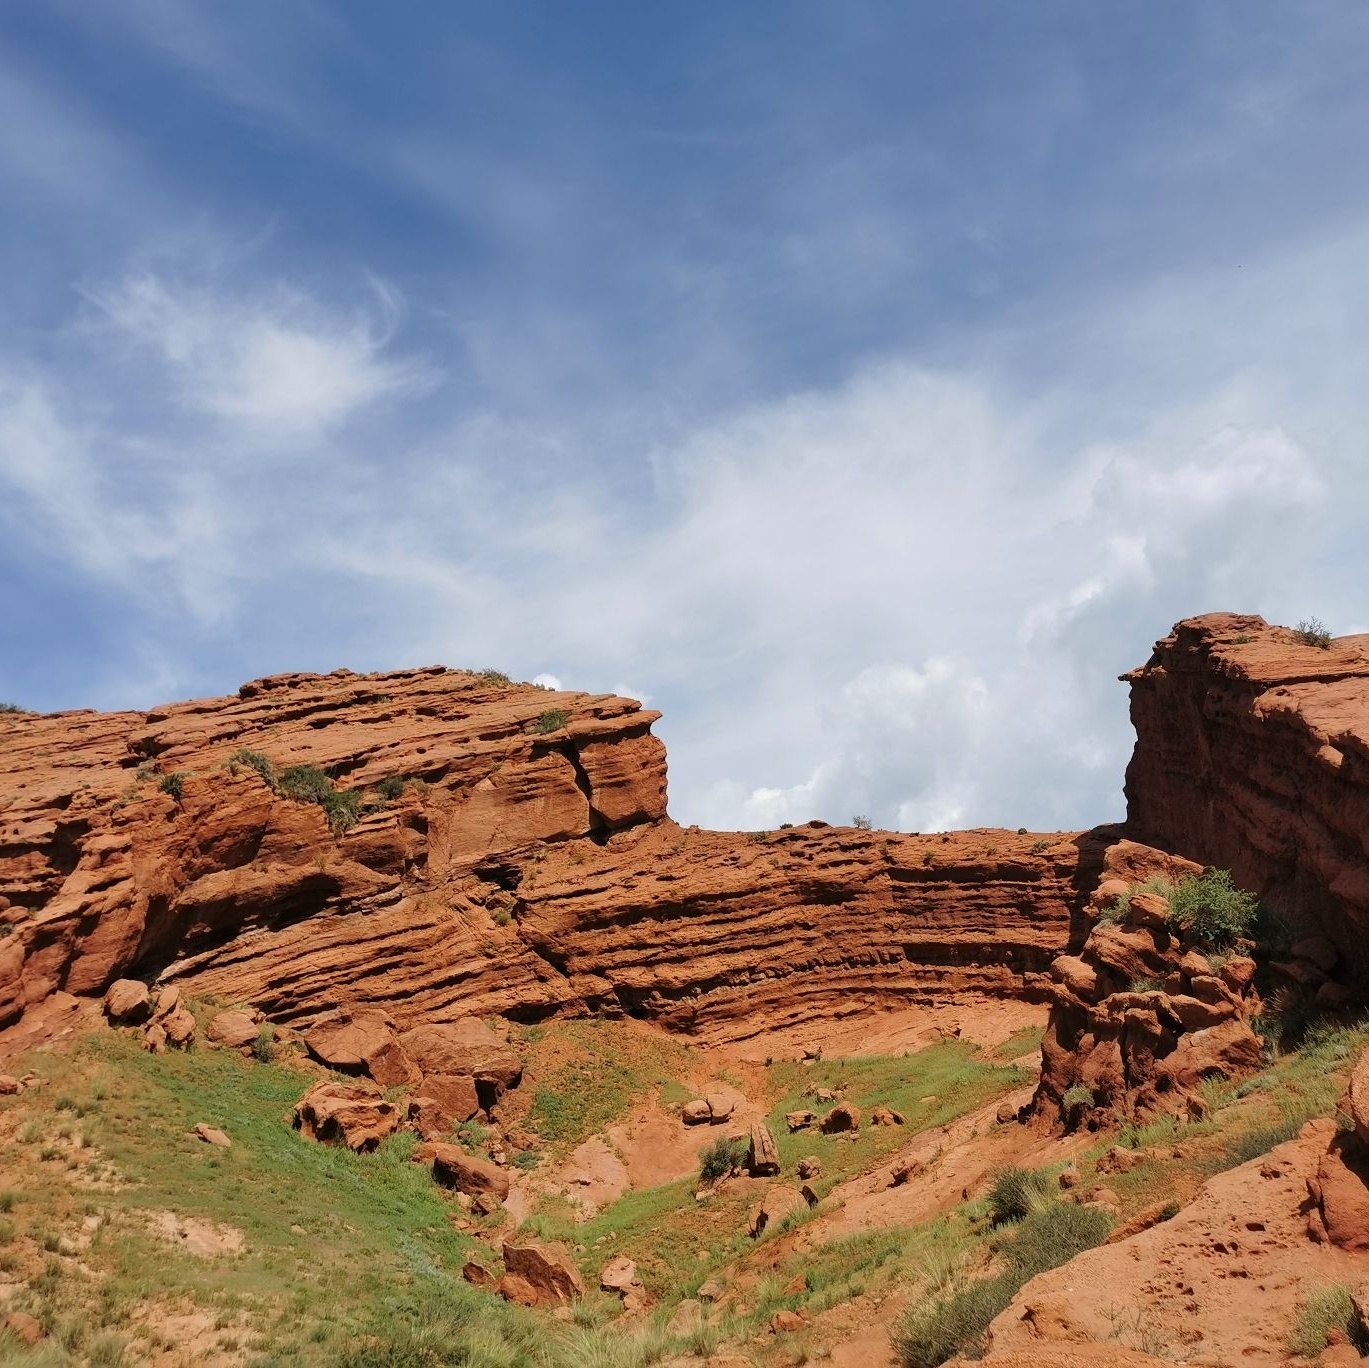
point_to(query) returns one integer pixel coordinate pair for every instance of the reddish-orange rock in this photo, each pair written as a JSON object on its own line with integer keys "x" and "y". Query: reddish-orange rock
{"x": 355, "y": 1114}
{"x": 234, "y": 1029}
{"x": 454, "y": 1168}
{"x": 361, "y": 1043}
{"x": 128, "y": 1002}
{"x": 1252, "y": 754}
{"x": 529, "y": 870}
{"x": 547, "y": 1269}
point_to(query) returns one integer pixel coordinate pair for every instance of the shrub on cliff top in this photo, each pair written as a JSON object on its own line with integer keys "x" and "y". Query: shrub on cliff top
{"x": 1313, "y": 632}
{"x": 11, "y": 708}
{"x": 255, "y": 760}
{"x": 309, "y": 784}
{"x": 552, "y": 720}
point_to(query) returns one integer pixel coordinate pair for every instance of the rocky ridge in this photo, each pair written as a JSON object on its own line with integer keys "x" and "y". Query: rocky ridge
{"x": 510, "y": 854}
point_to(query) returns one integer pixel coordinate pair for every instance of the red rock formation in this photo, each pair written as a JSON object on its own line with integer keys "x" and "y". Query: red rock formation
{"x": 530, "y": 871}
{"x": 1252, "y": 754}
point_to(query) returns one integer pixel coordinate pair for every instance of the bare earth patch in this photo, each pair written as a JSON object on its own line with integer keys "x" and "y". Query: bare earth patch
{"x": 204, "y": 1239}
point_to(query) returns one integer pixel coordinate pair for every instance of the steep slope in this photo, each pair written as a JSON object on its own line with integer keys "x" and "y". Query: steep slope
{"x": 510, "y": 854}
{"x": 1252, "y": 754}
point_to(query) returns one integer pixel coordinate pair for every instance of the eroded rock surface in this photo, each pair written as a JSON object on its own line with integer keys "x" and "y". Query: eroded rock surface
{"x": 1252, "y": 754}
{"x": 511, "y": 855}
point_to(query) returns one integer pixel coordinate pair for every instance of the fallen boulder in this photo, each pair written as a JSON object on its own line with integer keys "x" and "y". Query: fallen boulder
{"x": 465, "y": 1047}
{"x": 361, "y": 1043}
{"x": 354, "y": 1114}
{"x": 696, "y": 1112}
{"x": 799, "y": 1120}
{"x": 885, "y": 1116}
{"x": 762, "y": 1155}
{"x": 547, "y": 1269}
{"x": 127, "y": 1003}
{"x": 777, "y": 1203}
{"x": 454, "y": 1168}
{"x": 843, "y": 1117}
{"x": 233, "y": 1029}
{"x": 210, "y": 1135}
{"x": 619, "y": 1275}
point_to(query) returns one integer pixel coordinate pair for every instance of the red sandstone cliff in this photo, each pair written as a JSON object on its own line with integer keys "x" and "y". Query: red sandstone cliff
{"x": 532, "y": 870}
{"x": 1252, "y": 754}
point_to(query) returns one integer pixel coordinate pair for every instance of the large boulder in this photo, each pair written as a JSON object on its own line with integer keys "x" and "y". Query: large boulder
{"x": 1358, "y": 1098}
{"x": 454, "y": 1168}
{"x": 777, "y": 1203}
{"x": 127, "y": 1003}
{"x": 1340, "y": 1191}
{"x": 547, "y": 1269}
{"x": 361, "y": 1043}
{"x": 234, "y": 1029}
{"x": 356, "y": 1114}
{"x": 465, "y": 1047}
{"x": 845, "y": 1116}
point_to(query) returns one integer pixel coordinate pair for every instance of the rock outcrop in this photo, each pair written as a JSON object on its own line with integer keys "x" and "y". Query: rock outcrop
{"x": 1139, "y": 1019}
{"x": 490, "y": 849}
{"x": 1252, "y": 754}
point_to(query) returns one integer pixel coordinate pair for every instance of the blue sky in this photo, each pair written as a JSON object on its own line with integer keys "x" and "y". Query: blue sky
{"x": 863, "y": 385}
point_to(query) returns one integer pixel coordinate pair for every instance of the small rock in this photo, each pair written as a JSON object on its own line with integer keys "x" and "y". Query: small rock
{"x": 799, "y": 1120}
{"x": 777, "y": 1203}
{"x": 1149, "y": 909}
{"x": 786, "y": 1322}
{"x": 1069, "y": 1176}
{"x": 886, "y": 1116}
{"x": 1237, "y": 973}
{"x": 810, "y": 1166}
{"x": 154, "y": 1038}
{"x": 477, "y": 1274}
{"x": 619, "y": 1275}
{"x": 720, "y": 1107}
{"x": 9, "y": 1085}
{"x": 179, "y": 1026}
{"x": 712, "y": 1290}
{"x": 905, "y": 1171}
{"x": 547, "y": 1269}
{"x": 696, "y": 1112}
{"x": 1006, "y": 1113}
{"x": 1119, "y": 1160}
{"x": 210, "y": 1135}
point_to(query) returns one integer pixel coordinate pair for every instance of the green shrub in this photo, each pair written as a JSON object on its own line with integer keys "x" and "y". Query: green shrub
{"x": 1052, "y": 1233}
{"x": 1323, "y": 1309}
{"x": 552, "y": 720}
{"x": 495, "y": 677}
{"x": 1015, "y": 1192}
{"x": 721, "y": 1158}
{"x": 1211, "y": 911}
{"x": 174, "y": 784}
{"x": 1313, "y": 632}
{"x": 264, "y": 1047}
{"x": 1146, "y": 985}
{"x": 9, "y": 1199}
{"x": 309, "y": 784}
{"x": 392, "y": 787}
{"x": 255, "y": 760}
{"x": 939, "y": 1328}
{"x": 1077, "y": 1096}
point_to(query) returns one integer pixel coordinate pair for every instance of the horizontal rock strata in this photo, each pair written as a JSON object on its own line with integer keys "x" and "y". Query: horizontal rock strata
{"x": 511, "y": 854}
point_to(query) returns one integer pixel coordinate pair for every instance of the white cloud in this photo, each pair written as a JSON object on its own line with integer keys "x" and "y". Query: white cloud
{"x": 276, "y": 361}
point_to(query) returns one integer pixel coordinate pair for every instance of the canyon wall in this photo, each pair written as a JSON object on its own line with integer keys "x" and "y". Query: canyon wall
{"x": 512, "y": 854}
{"x": 1252, "y": 754}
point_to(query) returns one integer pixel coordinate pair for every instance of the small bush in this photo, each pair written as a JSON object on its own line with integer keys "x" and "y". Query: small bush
{"x": 552, "y": 720}
{"x": 1146, "y": 985}
{"x": 174, "y": 784}
{"x": 1211, "y": 911}
{"x": 1313, "y": 632}
{"x": 255, "y": 760}
{"x": 501, "y": 916}
{"x": 9, "y": 709}
{"x": 309, "y": 784}
{"x": 9, "y": 1199}
{"x": 1015, "y": 1192}
{"x": 1052, "y": 1233}
{"x": 1324, "y": 1309}
{"x": 392, "y": 787}
{"x": 264, "y": 1047}
{"x": 721, "y": 1158}
{"x": 496, "y": 677}
{"x": 1077, "y": 1096}
{"x": 935, "y": 1330}
{"x": 861, "y": 823}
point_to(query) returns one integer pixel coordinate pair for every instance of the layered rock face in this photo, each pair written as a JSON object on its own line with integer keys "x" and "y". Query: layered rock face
{"x": 1139, "y": 1020}
{"x": 1252, "y": 754}
{"x": 510, "y": 854}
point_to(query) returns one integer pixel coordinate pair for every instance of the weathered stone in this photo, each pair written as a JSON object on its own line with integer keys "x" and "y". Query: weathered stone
{"x": 619, "y": 1275}
{"x": 210, "y": 1135}
{"x": 845, "y": 1116}
{"x": 454, "y": 1168}
{"x": 128, "y": 1002}
{"x": 355, "y": 1114}
{"x": 777, "y": 1203}
{"x": 762, "y": 1155}
{"x": 696, "y": 1112}
{"x": 234, "y": 1029}
{"x": 799, "y": 1120}
{"x": 885, "y": 1116}
{"x": 810, "y": 1166}
{"x": 547, "y": 1269}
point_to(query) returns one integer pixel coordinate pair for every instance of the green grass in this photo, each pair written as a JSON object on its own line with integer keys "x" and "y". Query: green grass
{"x": 552, "y": 720}
{"x": 1023, "y": 1042}
{"x": 1324, "y": 1309}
